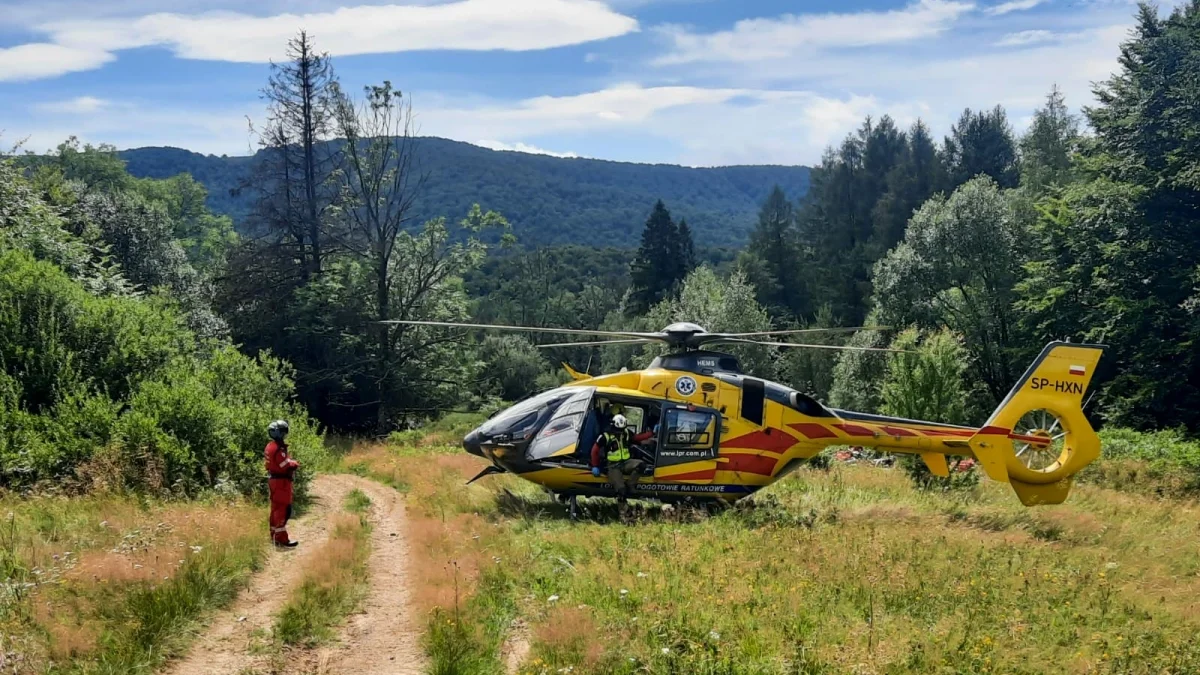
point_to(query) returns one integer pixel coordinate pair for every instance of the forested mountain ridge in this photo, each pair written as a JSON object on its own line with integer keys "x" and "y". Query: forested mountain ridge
{"x": 548, "y": 200}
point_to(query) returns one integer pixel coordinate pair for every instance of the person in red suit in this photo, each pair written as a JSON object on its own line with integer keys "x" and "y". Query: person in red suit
{"x": 280, "y": 469}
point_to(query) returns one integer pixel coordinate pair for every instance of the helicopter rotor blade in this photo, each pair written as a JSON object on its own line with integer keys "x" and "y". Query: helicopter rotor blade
{"x": 796, "y": 331}
{"x": 631, "y": 341}
{"x": 808, "y": 346}
{"x": 531, "y": 329}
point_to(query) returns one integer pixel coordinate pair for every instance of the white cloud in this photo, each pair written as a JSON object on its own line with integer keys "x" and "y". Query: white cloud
{"x": 1028, "y": 37}
{"x": 477, "y": 25}
{"x": 39, "y": 59}
{"x": 128, "y": 124}
{"x": 1013, "y": 6}
{"x": 522, "y": 147}
{"x": 764, "y": 39}
{"x": 77, "y": 105}
{"x": 707, "y": 126}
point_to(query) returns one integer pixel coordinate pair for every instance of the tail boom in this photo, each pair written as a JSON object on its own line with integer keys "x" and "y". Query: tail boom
{"x": 1053, "y": 387}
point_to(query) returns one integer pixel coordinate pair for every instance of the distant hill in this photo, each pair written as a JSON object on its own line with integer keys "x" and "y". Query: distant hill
{"x": 549, "y": 200}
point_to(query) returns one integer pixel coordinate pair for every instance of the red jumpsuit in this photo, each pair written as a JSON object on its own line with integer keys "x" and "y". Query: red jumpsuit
{"x": 280, "y": 468}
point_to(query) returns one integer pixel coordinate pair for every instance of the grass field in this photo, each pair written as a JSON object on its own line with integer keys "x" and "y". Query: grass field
{"x": 333, "y": 586}
{"x": 850, "y": 570}
{"x": 110, "y": 584}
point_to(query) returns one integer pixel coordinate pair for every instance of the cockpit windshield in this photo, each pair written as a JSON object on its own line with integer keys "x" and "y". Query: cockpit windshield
{"x": 527, "y": 412}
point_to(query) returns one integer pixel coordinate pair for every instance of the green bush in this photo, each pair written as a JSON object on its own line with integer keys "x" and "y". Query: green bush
{"x": 116, "y": 391}
{"x": 1164, "y": 463}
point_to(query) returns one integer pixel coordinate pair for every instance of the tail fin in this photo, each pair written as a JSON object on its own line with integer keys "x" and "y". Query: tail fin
{"x": 1039, "y": 437}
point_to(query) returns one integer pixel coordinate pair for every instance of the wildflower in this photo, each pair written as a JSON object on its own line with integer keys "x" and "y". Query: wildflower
{"x": 714, "y": 635}
{"x": 642, "y": 575}
{"x": 553, "y": 598}
{"x": 624, "y": 592}
{"x": 666, "y": 650}
{"x": 197, "y": 549}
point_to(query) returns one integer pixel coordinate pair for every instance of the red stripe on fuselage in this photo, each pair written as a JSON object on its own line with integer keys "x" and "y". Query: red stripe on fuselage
{"x": 759, "y": 464}
{"x": 811, "y": 430}
{"x": 777, "y": 441}
{"x": 855, "y": 430}
{"x": 897, "y": 431}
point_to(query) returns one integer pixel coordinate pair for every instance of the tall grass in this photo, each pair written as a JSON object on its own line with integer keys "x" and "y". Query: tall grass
{"x": 148, "y": 625}
{"x": 851, "y": 570}
{"x": 1163, "y": 463}
{"x": 107, "y": 584}
{"x": 332, "y": 587}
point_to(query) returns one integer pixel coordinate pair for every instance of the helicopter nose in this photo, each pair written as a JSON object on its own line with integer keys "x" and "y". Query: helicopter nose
{"x": 472, "y": 443}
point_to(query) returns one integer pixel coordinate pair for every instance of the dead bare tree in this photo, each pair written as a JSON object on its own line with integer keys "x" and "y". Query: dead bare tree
{"x": 379, "y": 185}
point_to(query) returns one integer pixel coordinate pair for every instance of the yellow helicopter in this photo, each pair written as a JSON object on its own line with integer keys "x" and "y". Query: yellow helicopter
{"x": 718, "y": 433}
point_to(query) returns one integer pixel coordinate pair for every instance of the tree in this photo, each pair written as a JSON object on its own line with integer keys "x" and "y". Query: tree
{"x": 658, "y": 266}
{"x": 858, "y": 375}
{"x": 1119, "y": 253}
{"x": 837, "y": 223}
{"x": 687, "y": 249}
{"x": 726, "y": 305}
{"x": 928, "y": 382}
{"x": 772, "y": 258}
{"x": 300, "y": 95}
{"x": 96, "y": 166}
{"x": 380, "y": 185}
{"x": 982, "y": 143}
{"x": 1049, "y": 146}
{"x": 919, "y": 174}
{"x": 511, "y": 366}
{"x": 957, "y": 268}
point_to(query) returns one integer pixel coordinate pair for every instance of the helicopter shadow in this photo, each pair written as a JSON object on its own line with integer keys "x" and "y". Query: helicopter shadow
{"x": 600, "y": 510}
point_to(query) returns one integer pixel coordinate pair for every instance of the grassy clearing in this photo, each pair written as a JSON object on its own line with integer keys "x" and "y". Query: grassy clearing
{"x": 849, "y": 570}
{"x": 333, "y": 585}
{"x": 357, "y": 501}
{"x": 108, "y": 584}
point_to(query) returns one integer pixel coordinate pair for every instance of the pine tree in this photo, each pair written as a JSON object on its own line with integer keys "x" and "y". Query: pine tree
{"x": 300, "y": 102}
{"x": 687, "y": 250}
{"x": 982, "y": 143}
{"x": 1047, "y": 148}
{"x": 915, "y": 179}
{"x": 1120, "y": 253}
{"x": 773, "y": 262}
{"x": 656, "y": 269}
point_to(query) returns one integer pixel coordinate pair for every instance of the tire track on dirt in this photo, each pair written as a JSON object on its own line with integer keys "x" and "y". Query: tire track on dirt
{"x": 385, "y": 635}
{"x": 226, "y": 646}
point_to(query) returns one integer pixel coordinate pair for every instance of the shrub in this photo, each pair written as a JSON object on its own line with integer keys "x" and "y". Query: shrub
{"x": 1164, "y": 463}
{"x": 115, "y": 390}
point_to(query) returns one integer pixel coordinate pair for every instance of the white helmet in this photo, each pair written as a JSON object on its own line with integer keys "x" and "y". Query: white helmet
{"x": 619, "y": 422}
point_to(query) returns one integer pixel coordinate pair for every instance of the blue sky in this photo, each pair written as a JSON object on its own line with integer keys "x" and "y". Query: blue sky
{"x": 696, "y": 82}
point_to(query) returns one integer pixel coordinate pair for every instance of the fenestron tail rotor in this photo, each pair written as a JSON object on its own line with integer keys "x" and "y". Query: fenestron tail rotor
{"x": 682, "y": 335}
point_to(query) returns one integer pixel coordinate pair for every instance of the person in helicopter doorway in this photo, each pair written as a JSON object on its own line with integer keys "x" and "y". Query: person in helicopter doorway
{"x": 280, "y": 468}
{"x": 613, "y": 450}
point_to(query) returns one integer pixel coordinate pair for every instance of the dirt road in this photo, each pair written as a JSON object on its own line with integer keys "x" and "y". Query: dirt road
{"x": 383, "y": 637}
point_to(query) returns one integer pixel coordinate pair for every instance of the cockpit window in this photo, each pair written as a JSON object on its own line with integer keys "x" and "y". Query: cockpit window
{"x": 559, "y": 436}
{"x": 528, "y": 411}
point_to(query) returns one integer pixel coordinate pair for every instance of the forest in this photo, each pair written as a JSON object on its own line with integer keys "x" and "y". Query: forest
{"x": 145, "y": 341}
{"x": 549, "y": 200}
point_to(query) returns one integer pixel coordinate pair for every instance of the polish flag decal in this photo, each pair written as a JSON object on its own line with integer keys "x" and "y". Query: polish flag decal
{"x": 1078, "y": 370}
